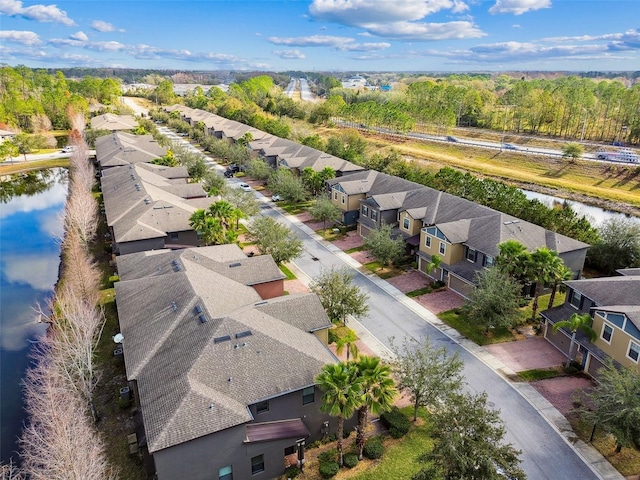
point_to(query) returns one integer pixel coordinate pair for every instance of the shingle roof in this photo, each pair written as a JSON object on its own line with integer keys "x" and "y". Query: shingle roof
{"x": 623, "y": 290}
{"x": 629, "y": 271}
{"x": 110, "y": 121}
{"x": 122, "y": 148}
{"x": 171, "y": 353}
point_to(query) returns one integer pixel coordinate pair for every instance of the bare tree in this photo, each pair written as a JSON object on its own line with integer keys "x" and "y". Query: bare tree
{"x": 59, "y": 442}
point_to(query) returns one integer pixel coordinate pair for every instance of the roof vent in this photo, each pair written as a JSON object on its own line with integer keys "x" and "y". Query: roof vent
{"x": 230, "y": 379}
{"x": 197, "y": 309}
{"x": 222, "y": 339}
{"x": 174, "y": 306}
{"x": 232, "y": 265}
{"x": 202, "y": 318}
{"x": 260, "y": 303}
{"x": 246, "y": 333}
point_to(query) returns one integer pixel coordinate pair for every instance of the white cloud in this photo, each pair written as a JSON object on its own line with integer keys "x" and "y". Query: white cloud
{"x": 413, "y": 31}
{"x": 57, "y": 195}
{"x": 339, "y": 43}
{"x": 20, "y": 36}
{"x": 293, "y": 54}
{"x": 39, "y": 13}
{"x": 81, "y": 36}
{"x": 40, "y": 272}
{"x": 518, "y": 7}
{"x": 359, "y": 12}
{"x": 102, "y": 26}
{"x": 398, "y": 19}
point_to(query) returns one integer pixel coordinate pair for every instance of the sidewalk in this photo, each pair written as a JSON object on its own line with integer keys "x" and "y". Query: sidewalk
{"x": 598, "y": 464}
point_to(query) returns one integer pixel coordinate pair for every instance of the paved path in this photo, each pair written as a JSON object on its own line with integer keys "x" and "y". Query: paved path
{"x": 550, "y": 449}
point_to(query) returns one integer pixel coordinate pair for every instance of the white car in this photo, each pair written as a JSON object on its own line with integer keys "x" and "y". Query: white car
{"x": 276, "y": 198}
{"x": 245, "y": 187}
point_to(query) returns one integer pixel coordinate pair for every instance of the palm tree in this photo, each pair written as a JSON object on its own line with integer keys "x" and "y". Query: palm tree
{"x": 227, "y": 215}
{"x": 543, "y": 264}
{"x": 434, "y": 264}
{"x": 346, "y": 338}
{"x": 378, "y": 392}
{"x": 576, "y": 322}
{"x": 559, "y": 273}
{"x": 342, "y": 394}
{"x": 513, "y": 259}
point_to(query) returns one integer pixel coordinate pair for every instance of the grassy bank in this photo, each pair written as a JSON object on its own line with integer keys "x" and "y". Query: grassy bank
{"x": 588, "y": 181}
{"x": 12, "y": 168}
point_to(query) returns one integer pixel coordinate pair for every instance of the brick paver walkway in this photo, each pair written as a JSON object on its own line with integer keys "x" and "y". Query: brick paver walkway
{"x": 441, "y": 301}
{"x": 527, "y": 354}
{"x": 410, "y": 281}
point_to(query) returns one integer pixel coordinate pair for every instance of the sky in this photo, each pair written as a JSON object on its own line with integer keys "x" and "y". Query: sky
{"x": 324, "y": 35}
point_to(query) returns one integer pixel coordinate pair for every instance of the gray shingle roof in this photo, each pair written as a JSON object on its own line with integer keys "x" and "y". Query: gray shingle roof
{"x": 623, "y": 290}
{"x": 189, "y": 384}
{"x": 110, "y": 121}
{"x": 122, "y": 148}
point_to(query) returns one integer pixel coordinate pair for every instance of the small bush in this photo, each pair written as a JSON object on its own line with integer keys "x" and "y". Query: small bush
{"x": 350, "y": 460}
{"x": 397, "y": 422}
{"x": 292, "y": 471}
{"x": 113, "y": 279}
{"x": 329, "y": 469}
{"x": 328, "y": 456}
{"x": 438, "y": 284}
{"x": 373, "y": 448}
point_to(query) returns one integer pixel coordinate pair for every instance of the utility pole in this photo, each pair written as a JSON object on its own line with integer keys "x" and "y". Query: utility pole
{"x": 584, "y": 124}
{"x": 504, "y": 125}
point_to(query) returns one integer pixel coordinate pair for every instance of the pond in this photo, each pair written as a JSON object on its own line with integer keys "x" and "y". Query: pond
{"x": 595, "y": 215}
{"x": 30, "y": 231}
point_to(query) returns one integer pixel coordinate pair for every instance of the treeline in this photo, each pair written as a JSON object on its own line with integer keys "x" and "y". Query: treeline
{"x": 36, "y": 101}
{"x": 566, "y": 107}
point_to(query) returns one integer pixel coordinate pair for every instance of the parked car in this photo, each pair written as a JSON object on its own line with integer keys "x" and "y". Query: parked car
{"x": 276, "y": 198}
{"x": 509, "y": 146}
{"x": 451, "y": 139}
{"x": 231, "y": 170}
{"x": 68, "y": 149}
{"x": 245, "y": 187}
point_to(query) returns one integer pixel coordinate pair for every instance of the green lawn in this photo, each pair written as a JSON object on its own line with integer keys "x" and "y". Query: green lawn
{"x": 400, "y": 459}
{"x": 543, "y": 301}
{"x": 294, "y": 208}
{"x": 384, "y": 273}
{"x": 287, "y": 272}
{"x": 420, "y": 291}
{"x": 355, "y": 249}
{"x": 539, "y": 374}
{"x": 458, "y": 320}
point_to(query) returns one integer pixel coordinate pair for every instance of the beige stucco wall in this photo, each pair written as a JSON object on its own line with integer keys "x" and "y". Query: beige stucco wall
{"x": 453, "y": 252}
{"x": 414, "y": 225}
{"x": 352, "y": 202}
{"x": 619, "y": 346}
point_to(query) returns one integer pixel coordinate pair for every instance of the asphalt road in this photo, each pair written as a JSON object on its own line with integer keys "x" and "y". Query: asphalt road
{"x": 545, "y": 453}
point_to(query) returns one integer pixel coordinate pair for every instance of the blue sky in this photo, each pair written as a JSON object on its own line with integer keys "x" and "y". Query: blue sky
{"x": 324, "y": 35}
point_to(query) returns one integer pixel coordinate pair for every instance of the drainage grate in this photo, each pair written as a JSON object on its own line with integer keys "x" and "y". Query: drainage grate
{"x": 315, "y": 259}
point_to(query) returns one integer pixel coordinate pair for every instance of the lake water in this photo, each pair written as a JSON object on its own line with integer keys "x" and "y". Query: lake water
{"x": 595, "y": 215}
{"x": 30, "y": 229}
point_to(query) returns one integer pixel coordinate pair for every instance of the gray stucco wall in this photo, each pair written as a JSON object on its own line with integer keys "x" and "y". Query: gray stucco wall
{"x": 202, "y": 458}
{"x": 574, "y": 260}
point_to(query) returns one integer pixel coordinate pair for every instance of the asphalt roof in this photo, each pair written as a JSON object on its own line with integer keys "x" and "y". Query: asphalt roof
{"x": 198, "y": 376}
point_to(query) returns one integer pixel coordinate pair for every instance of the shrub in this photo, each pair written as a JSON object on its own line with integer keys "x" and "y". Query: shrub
{"x": 292, "y": 471}
{"x": 350, "y": 460}
{"x": 373, "y": 448}
{"x": 397, "y": 422}
{"x": 327, "y": 456}
{"x": 438, "y": 284}
{"x": 329, "y": 469}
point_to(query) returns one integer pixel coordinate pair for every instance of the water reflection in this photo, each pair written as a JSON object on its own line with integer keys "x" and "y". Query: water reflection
{"x": 31, "y": 228}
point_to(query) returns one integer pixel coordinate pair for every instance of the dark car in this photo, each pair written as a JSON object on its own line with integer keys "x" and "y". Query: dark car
{"x": 231, "y": 170}
{"x": 452, "y": 139}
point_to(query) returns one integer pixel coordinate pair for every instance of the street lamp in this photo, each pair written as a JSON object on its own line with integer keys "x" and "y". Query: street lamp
{"x": 504, "y": 124}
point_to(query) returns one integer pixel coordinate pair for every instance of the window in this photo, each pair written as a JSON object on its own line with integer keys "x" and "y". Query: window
{"x": 365, "y": 211}
{"x": 576, "y": 299}
{"x": 343, "y": 199}
{"x": 308, "y": 395}
{"x": 427, "y": 241}
{"x": 225, "y": 473}
{"x": 488, "y": 261}
{"x": 335, "y": 195}
{"x": 471, "y": 254}
{"x": 607, "y": 333}
{"x": 290, "y": 450}
{"x": 405, "y": 223}
{"x": 173, "y": 235}
{"x": 634, "y": 351}
{"x": 443, "y": 248}
{"x": 262, "y": 407}
{"x": 257, "y": 464}
{"x": 374, "y": 215}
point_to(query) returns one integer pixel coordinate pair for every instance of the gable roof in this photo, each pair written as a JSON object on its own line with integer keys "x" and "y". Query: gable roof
{"x": 110, "y": 121}
{"x": 121, "y": 148}
{"x": 623, "y": 290}
{"x": 197, "y": 377}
